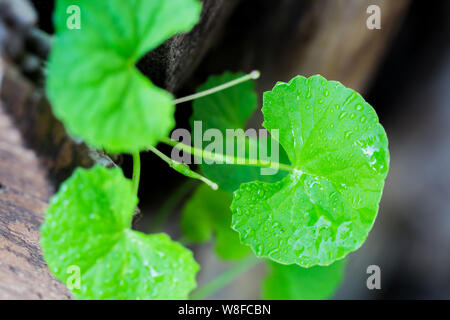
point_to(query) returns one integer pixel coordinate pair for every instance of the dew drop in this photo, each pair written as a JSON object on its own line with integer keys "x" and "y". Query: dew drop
{"x": 259, "y": 250}
{"x": 308, "y": 94}
{"x": 363, "y": 119}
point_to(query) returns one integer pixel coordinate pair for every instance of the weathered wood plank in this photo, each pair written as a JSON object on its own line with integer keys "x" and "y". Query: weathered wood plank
{"x": 24, "y": 192}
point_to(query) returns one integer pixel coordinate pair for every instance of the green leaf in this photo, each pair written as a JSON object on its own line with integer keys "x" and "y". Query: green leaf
{"x": 325, "y": 208}
{"x": 93, "y": 84}
{"x": 292, "y": 282}
{"x": 87, "y": 225}
{"x": 231, "y": 109}
{"x": 206, "y": 213}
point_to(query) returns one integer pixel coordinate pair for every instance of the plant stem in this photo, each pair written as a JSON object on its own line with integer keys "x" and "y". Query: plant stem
{"x": 136, "y": 172}
{"x": 183, "y": 169}
{"x": 224, "y": 158}
{"x": 170, "y": 204}
{"x": 224, "y": 279}
{"x": 251, "y": 76}
{"x": 161, "y": 155}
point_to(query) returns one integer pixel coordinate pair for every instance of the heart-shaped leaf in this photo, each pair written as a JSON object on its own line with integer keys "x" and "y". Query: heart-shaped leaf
{"x": 327, "y": 205}
{"x": 87, "y": 229}
{"x": 93, "y": 84}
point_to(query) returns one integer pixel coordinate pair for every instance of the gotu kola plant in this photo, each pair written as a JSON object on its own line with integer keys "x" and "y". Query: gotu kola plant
{"x": 302, "y": 221}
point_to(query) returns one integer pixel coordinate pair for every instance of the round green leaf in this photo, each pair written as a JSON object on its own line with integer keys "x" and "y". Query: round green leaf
{"x": 292, "y": 282}
{"x": 93, "y": 84}
{"x": 325, "y": 208}
{"x": 87, "y": 228}
{"x": 208, "y": 212}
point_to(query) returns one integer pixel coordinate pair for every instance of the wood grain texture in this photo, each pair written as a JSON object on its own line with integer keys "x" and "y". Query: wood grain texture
{"x": 24, "y": 193}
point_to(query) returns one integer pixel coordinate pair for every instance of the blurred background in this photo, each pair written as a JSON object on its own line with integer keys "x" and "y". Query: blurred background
{"x": 403, "y": 71}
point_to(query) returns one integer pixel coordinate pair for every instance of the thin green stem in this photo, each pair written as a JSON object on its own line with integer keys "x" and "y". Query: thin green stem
{"x": 251, "y": 76}
{"x": 161, "y": 155}
{"x": 170, "y": 204}
{"x": 225, "y": 158}
{"x": 136, "y": 171}
{"x": 184, "y": 169}
{"x": 224, "y": 279}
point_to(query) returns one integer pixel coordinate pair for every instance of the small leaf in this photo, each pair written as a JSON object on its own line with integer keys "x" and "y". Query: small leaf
{"x": 231, "y": 109}
{"x": 325, "y": 208}
{"x": 208, "y": 213}
{"x": 292, "y": 282}
{"x": 87, "y": 225}
{"x": 93, "y": 84}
